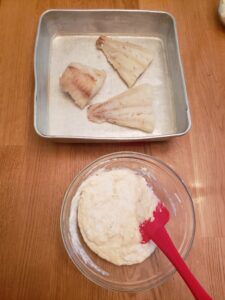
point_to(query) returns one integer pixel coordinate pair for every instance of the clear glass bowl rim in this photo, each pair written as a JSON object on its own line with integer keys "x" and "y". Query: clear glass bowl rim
{"x": 147, "y": 158}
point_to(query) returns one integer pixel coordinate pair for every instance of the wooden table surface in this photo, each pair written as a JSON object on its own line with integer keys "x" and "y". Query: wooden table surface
{"x": 35, "y": 173}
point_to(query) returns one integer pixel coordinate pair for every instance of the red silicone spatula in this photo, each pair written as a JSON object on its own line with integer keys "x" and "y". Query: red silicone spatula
{"x": 156, "y": 232}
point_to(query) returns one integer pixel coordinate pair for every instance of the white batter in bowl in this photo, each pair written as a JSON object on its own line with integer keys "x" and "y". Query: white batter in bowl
{"x": 111, "y": 205}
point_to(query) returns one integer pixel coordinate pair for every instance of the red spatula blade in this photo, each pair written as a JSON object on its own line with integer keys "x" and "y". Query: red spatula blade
{"x": 148, "y": 228}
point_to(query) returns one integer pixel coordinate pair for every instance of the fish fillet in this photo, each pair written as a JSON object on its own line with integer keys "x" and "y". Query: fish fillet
{"x": 129, "y": 60}
{"x": 132, "y": 108}
{"x": 81, "y": 82}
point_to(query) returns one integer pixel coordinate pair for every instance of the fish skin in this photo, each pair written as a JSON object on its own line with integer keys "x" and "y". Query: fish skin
{"x": 128, "y": 59}
{"x": 132, "y": 109}
{"x": 81, "y": 82}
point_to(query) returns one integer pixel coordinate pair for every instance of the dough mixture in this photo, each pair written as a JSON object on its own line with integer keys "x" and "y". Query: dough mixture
{"x": 112, "y": 204}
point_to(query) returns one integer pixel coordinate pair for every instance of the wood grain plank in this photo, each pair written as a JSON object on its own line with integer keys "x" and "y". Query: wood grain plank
{"x": 16, "y": 84}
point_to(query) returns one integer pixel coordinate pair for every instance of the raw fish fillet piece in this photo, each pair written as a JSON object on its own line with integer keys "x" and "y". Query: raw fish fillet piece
{"x": 81, "y": 82}
{"x": 129, "y": 60}
{"x": 132, "y": 108}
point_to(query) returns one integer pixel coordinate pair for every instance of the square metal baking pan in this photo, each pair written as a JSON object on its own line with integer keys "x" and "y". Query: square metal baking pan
{"x": 65, "y": 36}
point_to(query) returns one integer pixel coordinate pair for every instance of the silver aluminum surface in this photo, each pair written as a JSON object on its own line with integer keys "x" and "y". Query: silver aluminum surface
{"x": 66, "y": 36}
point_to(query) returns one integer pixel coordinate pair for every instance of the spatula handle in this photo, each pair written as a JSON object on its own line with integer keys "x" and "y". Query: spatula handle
{"x": 162, "y": 239}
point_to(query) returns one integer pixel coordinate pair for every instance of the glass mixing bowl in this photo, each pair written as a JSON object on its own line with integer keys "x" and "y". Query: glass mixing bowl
{"x": 169, "y": 188}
